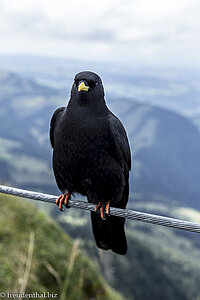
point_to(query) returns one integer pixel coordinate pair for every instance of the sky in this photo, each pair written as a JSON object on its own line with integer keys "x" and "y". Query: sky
{"x": 131, "y": 32}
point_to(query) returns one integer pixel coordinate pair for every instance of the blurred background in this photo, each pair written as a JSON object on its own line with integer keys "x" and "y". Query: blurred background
{"x": 147, "y": 54}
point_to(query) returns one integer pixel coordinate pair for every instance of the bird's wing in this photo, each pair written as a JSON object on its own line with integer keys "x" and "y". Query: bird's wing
{"x": 120, "y": 140}
{"x": 53, "y": 124}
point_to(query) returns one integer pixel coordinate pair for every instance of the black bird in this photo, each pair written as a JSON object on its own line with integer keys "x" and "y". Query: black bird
{"x": 91, "y": 156}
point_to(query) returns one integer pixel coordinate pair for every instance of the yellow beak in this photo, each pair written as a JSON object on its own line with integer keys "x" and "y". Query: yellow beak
{"x": 83, "y": 87}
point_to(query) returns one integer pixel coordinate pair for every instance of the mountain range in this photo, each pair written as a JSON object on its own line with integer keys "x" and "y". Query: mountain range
{"x": 161, "y": 263}
{"x": 165, "y": 145}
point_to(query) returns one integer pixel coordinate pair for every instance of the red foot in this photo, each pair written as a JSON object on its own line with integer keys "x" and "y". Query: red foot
{"x": 63, "y": 198}
{"x": 103, "y": 209}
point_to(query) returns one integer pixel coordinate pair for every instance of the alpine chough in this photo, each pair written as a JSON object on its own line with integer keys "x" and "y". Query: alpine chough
{"x": 91, "y": 156}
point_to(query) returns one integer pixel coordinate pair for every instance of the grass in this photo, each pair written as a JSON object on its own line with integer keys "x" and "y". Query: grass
{"x": 37, "y": 255}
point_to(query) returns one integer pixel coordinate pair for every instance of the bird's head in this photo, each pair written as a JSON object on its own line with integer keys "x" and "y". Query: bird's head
{"x": 87, "y": 88}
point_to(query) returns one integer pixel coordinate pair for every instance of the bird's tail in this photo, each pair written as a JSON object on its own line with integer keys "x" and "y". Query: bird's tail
{"x": 109, "y": 233}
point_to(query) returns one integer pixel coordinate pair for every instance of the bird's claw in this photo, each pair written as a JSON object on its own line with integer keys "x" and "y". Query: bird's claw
{"x": 103, "y": 209}
{"x": 63, "y": 199}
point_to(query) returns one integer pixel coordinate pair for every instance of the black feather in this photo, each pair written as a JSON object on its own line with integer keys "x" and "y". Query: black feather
{"x": 53, "y": 122}
{"x": 92, "y": 156}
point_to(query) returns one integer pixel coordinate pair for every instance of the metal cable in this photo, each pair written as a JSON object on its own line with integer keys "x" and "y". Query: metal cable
{"x": 128, "y": 214}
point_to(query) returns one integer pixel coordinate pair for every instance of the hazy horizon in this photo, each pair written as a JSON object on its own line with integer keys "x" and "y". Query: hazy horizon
{"x": 145, "y": 33}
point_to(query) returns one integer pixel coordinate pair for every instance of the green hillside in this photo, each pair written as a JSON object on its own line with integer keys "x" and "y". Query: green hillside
{"x": 36, "y": 255}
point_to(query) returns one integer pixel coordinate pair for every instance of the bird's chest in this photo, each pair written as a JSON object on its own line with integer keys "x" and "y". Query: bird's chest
{"x": 85, "y": 142}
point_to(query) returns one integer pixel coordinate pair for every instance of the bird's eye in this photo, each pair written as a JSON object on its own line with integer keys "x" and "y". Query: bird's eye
{"x": 93, "y": 83}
